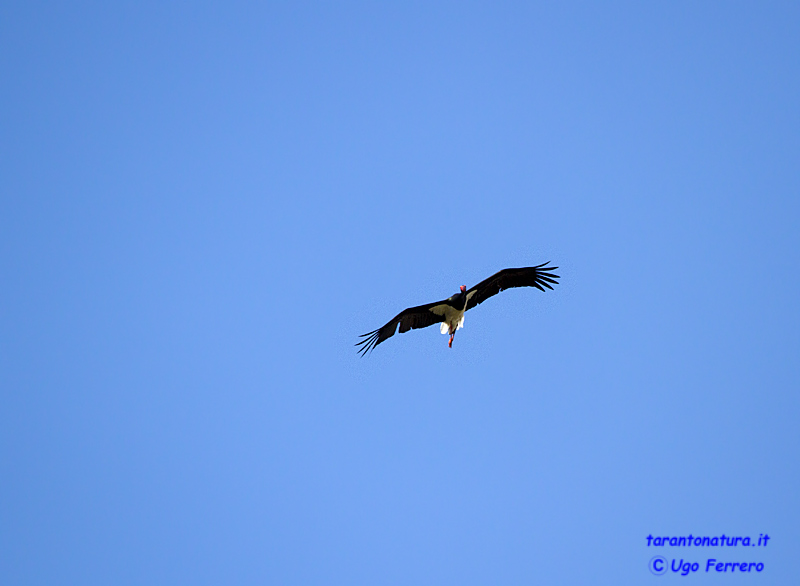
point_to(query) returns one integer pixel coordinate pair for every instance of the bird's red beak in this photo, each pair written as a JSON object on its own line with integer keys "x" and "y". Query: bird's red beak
{"x": 463, "y": 288}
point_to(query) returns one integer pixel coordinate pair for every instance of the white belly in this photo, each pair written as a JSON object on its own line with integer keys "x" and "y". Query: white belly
{"x": 453, "y": 319}
{"x": 452, "y": 323}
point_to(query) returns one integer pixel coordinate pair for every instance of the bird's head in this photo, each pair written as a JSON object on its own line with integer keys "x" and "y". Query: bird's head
{"x": 463, "y": 288}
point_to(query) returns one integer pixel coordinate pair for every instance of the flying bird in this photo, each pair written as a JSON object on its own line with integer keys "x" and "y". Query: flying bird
{"x": 450, "y": 312}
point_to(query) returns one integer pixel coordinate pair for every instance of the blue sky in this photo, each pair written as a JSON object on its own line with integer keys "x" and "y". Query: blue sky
{"x": 204, "y": 205}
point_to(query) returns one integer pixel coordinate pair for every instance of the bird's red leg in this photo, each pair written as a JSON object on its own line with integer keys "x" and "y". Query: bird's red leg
{"x": 450, "y": 343}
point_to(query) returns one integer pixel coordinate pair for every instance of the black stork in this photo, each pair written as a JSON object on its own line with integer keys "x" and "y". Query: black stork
{"x": 450, "y": 312}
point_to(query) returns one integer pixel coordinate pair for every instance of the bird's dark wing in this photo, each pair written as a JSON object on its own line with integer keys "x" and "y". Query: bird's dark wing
{"x": 538, "y": 276}
{"x": 410, "y": 319}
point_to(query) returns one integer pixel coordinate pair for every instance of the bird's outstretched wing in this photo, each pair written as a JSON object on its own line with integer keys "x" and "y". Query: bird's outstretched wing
{"x": 410, "y": 319}
{"x": 538, "y": 276}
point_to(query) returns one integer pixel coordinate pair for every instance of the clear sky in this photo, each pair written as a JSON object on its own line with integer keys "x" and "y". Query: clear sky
{"x": 202, "y": 205}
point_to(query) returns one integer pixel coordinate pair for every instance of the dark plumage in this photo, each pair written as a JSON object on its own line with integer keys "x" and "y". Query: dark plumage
{"x": 450, "y": 311}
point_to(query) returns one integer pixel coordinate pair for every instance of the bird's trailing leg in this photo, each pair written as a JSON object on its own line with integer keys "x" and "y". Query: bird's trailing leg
{"x": 450, "y": 343}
